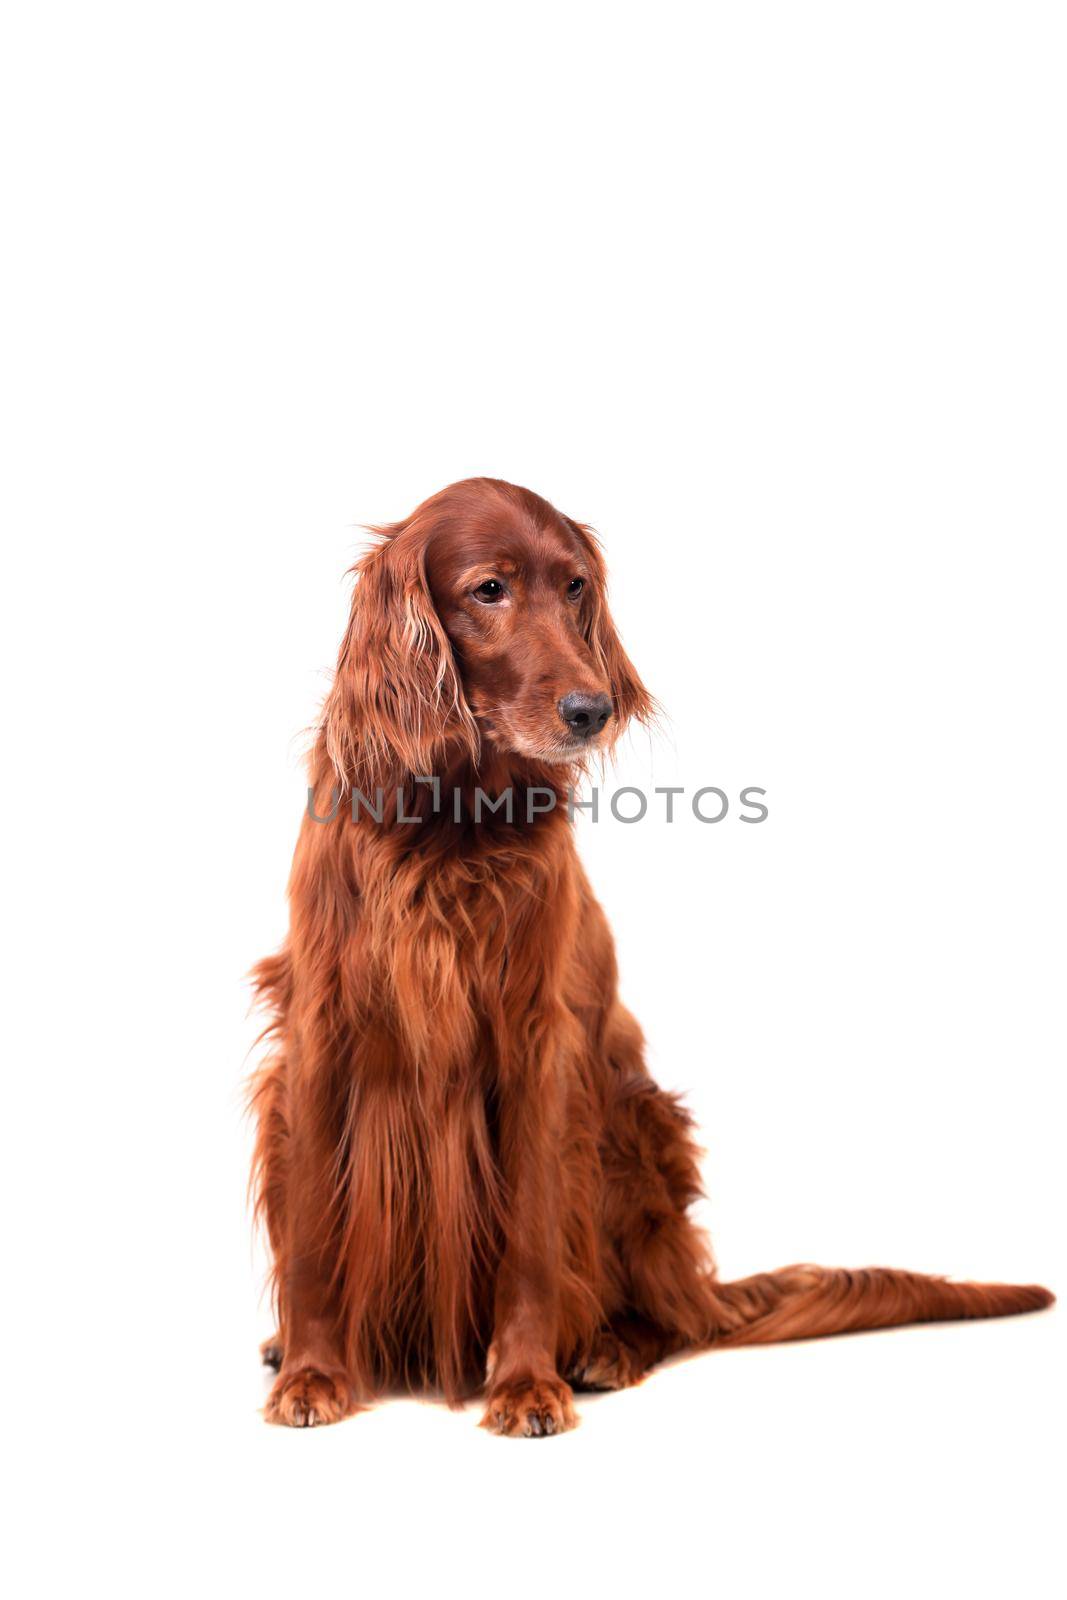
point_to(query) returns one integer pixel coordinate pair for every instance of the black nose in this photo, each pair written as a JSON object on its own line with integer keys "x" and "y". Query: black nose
{"x": 585, "y": 714}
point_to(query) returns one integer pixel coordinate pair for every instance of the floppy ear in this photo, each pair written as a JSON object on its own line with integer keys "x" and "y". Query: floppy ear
{"x": 632, "y": 699}
{"x": 396, "y": 701}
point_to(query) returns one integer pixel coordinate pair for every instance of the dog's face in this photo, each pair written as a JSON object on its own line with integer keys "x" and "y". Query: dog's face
{"x": 517, "y": 600}
{"x": 479, "y": 625}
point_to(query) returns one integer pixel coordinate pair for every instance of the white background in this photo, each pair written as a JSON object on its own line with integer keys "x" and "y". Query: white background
{"x": 773, "y": 295}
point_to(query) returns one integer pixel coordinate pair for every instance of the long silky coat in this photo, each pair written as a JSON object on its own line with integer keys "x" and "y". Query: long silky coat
{"x": 467, "y": 1175}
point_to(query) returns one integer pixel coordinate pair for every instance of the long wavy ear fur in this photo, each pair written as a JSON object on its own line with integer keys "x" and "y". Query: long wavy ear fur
{"x": 396, "y": 705}
{"x": 632, "y": 699}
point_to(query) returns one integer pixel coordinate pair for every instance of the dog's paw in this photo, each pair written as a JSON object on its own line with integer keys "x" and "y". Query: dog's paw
{"x": 530, "y": 1409}
{"x": 609, "y": 1365}
{"x": 271, "y": 1352}
{"x": 307, "y": 1398}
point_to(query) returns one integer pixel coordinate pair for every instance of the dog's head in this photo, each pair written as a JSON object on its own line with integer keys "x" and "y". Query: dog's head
{"x": 479, "y": 626}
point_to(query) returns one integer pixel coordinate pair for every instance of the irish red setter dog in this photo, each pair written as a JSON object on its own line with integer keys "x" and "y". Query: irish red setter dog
{"x": 467, "y": 1175}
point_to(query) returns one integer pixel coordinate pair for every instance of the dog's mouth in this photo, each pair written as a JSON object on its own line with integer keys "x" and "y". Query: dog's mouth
{"x": 561, "y": 752}
{"x": 565, "y": 757}
{"x": 552, "y": 749}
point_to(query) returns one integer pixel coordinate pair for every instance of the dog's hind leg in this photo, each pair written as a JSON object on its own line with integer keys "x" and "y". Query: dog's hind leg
{"x": 660, "y": 1264}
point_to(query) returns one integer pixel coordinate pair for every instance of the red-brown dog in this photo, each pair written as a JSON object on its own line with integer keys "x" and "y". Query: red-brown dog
{"x": 467, "y": 1175}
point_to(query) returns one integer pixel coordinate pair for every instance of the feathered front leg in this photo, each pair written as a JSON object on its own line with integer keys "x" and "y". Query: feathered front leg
{"x": 527, "y": 1396}
{"x": 312, "y": 1386}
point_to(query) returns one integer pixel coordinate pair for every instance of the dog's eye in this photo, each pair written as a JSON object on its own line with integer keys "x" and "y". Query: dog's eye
{"x": 575, "y": 587}
{"x": 490, "y": 590}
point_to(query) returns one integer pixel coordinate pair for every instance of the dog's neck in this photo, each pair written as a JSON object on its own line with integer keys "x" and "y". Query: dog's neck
{"x": 494, "y": 796}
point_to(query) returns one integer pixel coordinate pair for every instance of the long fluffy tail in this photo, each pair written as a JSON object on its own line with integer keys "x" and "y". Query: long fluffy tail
{"x": 809, "y": 1302}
